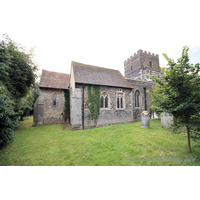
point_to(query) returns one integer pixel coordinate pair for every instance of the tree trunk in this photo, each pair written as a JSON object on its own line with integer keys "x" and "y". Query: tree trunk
{"x": 188, "y": 134}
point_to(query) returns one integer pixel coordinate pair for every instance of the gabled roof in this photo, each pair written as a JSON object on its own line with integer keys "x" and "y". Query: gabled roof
{"x": 93, "y": 75}
{"x": 54, "y": 80}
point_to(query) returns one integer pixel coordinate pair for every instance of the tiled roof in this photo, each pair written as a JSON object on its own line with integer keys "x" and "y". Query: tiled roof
{"x": 55, "y": 80}
{"x": 94, "y": 75}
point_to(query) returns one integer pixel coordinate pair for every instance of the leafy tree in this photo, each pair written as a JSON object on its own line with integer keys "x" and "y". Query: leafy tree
{"x": 4, "y": 61}
{"x": 153, "y": 107}
{"x": 178, "y": 92}
{"x": 17, "y": 76}
{"x": 21, "y": 69}
{"x": 8, "y": 116}
{"x": 27, "y": 104}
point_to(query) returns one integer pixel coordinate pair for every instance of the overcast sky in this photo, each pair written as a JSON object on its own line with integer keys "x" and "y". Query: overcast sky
{"x": 101, "y": 33}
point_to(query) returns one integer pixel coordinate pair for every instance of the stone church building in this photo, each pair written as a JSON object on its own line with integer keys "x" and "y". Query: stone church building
{"x": 122, "y": 98}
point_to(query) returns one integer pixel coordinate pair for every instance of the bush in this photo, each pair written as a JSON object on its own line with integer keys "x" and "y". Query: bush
{"x": 8, "y": 116}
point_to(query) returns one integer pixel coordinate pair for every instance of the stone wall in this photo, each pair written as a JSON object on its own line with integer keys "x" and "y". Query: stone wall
{"x": 141, "y": 60}
{"x": 110, "y": 115}
{"x": 49, "y": 113}
{"x": 140, "y": 85}
{"x": 45, "y": 112}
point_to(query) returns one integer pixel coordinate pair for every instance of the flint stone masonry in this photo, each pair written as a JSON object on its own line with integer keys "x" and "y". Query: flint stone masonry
{"x": 110, "y": 115}
{"x": 47, "y": 112}
{"x": 140, "y": 85}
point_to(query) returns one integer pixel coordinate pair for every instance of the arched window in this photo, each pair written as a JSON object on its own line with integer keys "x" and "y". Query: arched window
{"x": 54, "y": 99}
{"x": 104, "y": 100}
{"x": 137, "y": 98}
{"x": 117, "y": 102}
{"x": 120, "y": 99}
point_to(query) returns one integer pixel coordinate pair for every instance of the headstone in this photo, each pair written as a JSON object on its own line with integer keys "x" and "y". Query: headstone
{"x": 166, "y": 120}
{"x": 145, "y": 121}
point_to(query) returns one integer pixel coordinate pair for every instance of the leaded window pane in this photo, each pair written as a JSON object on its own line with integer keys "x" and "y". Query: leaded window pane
{"x": 106, "y": 102}
{"x": 137, "y": 97}
{"x": 54, "y": 99}
{"x": 118, "y": 102}
{"x": 102, "y": 101}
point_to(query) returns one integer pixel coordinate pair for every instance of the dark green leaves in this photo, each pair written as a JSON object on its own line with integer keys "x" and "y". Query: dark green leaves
{"x": 179, "y": 91}
{"x": 93, "y": 102}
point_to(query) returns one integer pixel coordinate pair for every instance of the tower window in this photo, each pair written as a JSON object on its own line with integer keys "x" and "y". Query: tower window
{"x": 150, "y": 64}
{"x": 131, "y": 68}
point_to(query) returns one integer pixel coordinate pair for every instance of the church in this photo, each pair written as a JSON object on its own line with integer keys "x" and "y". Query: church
{"x": 121, "y": 99}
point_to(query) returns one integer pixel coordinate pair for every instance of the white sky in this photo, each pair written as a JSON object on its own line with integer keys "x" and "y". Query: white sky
{"x": 101, "y": 33}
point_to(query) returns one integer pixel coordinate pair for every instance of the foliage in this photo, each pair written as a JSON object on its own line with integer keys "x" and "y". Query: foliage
{"x": 66, "y": 110}
{"x": 153, "y": 107}
{"x": 17, "y": 75}
{"x": 93, "y": 102}
{"x": 4, "y": 62}
{"x": 20, "y": 68}
{"x": 8, "y": 116}
{"x": 178, "y": 92}
{"x": 27, "y": 104}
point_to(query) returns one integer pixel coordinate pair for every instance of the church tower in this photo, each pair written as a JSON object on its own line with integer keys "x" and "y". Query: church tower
{"x": 141, "y": 64}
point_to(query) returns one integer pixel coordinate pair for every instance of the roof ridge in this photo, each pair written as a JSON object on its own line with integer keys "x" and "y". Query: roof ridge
{"x": 95, "y": 66}
{"x": 55, "y": 72}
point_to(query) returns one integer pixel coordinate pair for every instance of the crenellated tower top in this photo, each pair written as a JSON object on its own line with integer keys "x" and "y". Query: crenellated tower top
{"x": 140, "y": 52}
{"x": 142, "y": 60}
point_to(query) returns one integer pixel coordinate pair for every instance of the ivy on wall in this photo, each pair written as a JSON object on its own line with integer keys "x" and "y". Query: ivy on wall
{"x": 93, "y": 102}
{"x": 66, "y": 110}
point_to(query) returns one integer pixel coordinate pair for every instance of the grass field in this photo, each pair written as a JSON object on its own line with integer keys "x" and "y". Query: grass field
{"x": 118, "y": 145}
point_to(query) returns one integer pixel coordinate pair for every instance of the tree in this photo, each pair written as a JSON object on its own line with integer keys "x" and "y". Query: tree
{"x": 178, "y": 92}
{"x": 21, "y": 69}
{"x": 8, "y": 116}
{"x": 4, "y": 62}
{"x": 17, "y": 76}
{"x": 27, "y": 104}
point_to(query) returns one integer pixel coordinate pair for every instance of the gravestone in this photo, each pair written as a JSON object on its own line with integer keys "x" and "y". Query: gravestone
{"x": 145, "y": 121}
{"x": 166, "y": 120}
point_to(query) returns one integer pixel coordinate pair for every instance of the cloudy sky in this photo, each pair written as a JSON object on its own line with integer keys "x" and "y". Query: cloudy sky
{"x": 101, "y": 33}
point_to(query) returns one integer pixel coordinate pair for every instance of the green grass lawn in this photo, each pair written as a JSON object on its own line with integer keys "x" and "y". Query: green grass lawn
{"x": 121, "y": 145}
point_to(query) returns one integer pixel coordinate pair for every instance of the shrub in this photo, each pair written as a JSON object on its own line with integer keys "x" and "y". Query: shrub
{"x": 8, "y": 116}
